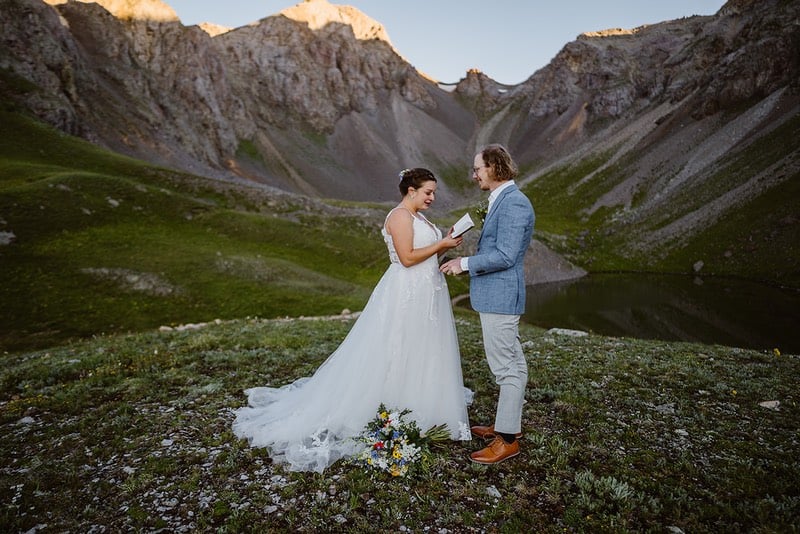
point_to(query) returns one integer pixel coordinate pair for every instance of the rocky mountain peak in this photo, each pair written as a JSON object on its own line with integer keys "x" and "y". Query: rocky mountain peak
{"x": 213, "y": 29}
{"x": 319, "y": 13}
{"x": 153, "y": 10}
{"x": 610, "y": 32}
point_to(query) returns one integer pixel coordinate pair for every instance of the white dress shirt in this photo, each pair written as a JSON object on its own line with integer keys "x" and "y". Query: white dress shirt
{"x": 492, "y": 197}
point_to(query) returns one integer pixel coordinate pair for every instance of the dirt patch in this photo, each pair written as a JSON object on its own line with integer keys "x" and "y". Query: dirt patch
{"x": 129, "y": 280}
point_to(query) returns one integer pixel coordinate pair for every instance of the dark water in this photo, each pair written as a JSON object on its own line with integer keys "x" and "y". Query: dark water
{"x": 723, "y": 311}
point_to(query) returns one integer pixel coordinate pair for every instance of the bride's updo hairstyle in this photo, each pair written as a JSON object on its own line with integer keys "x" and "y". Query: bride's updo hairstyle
{"x": 497, "y": 157}
{"x": 414, "y": 178}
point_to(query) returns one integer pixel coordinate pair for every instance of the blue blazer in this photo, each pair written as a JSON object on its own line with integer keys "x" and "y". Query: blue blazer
{"x": 497, "y": 270}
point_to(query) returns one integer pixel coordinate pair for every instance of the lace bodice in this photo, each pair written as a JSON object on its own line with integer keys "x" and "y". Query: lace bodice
{"x": 425, "y": 233}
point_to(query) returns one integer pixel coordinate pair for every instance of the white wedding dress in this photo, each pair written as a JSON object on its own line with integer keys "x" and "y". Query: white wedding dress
{"x": 402, "y": 351}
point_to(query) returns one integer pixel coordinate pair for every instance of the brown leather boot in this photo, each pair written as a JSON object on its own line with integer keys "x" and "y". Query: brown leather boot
{"x": 496, "y": 452}
{"x": 487, "y": 432}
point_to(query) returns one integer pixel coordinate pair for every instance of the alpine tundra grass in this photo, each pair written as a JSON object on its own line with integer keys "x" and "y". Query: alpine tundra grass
{"x": 133, "y": 433}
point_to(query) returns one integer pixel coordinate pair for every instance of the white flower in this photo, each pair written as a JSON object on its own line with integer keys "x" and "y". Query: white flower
{"x": 388, "y": 444}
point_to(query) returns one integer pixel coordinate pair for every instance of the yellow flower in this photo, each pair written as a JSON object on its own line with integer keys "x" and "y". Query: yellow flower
{"x": 395, "y": 471}
{"x": 733, "y": 392}
{"x": 396, "y": 453}
{"x": 384, "y": 415}
{"x": 776, "y": 352}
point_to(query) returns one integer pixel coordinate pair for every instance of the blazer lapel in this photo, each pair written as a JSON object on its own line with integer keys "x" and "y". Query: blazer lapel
{"x": 495, "y": 204}
{"x": 498, "y": 200}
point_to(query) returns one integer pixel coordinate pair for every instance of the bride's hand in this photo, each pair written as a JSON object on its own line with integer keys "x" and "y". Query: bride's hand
{"x": 449, "y": 241}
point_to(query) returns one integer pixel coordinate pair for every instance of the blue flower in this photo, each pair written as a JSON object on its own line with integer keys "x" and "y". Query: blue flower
{"x": 392, "y": 448}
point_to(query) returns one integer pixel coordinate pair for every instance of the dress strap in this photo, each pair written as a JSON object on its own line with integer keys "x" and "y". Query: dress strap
{"x": 392, "y": 211}
{"x": 425, "y": 219}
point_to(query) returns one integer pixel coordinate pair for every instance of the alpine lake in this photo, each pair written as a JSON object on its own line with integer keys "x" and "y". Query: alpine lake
{"x": 711, "y": 310}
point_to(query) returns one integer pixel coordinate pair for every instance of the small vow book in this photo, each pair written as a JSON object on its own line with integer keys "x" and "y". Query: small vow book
{"x": 462, "y": 225}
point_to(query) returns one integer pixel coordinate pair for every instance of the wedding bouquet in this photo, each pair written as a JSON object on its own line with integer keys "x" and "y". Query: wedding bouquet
{"x": 395, "y": 444}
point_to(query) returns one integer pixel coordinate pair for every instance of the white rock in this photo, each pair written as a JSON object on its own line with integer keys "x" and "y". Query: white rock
{"x": 7, "y": 237}
{"x": 493, "y": 492}
{"x": 668, "y": 408}
{"x": 772, "y": 405}
{"x": 567, "y": 332}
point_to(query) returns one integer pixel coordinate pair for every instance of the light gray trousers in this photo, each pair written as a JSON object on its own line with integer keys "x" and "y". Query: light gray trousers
{"x": 507, "y": 363}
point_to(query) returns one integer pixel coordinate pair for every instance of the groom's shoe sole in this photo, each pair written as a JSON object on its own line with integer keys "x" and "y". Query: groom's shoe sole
{"x": 496, "y": 452}
{"x": 487, "y": 432}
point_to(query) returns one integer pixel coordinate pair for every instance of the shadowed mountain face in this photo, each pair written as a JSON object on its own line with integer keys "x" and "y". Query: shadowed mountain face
{"x": 659, "y": 144}
{"x": 318, "y": 111}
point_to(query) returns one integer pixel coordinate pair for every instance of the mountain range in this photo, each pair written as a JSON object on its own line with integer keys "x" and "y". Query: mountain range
{"x": 670, "y": 147}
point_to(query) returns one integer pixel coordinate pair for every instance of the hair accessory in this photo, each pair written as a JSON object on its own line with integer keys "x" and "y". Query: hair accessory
{"x": 403, "y": 173}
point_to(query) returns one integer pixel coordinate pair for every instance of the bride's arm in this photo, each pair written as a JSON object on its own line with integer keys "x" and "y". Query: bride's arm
{"x": 401, "y": 227}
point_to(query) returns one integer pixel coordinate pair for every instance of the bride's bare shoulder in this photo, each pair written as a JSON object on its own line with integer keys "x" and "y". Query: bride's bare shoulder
{"x": 399, "y": 213}
{"x": 399, "y": 218}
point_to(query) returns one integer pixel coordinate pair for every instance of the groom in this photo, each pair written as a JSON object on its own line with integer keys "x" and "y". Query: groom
{"x": 497, "y": 292}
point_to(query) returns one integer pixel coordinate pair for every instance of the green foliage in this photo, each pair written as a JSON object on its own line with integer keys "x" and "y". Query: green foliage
{"x": 757, "y": 238}
{"x": 760, "y": 238}
{"x": 318, "y": 139}
{"x": 104, "y": 243}
{"x": 557, "y": 199}
{"x": 12, "y": 84}
{"x": 248, "y": 149}
{"x": 457, "y": 177}
{"x": 133, "y": 432}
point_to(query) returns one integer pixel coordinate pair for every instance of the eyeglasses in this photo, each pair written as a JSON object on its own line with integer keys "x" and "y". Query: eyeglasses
{"x": 476, "y": 169}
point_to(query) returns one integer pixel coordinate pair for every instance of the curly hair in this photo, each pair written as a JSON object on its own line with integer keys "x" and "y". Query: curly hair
{"x": 496, "y": 157}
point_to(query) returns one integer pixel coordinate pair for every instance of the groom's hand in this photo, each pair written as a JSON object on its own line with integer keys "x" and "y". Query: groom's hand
{"x": 451, "y": 267}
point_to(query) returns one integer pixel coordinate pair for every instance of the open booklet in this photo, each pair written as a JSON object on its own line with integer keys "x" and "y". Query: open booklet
{"x": 462, "y": 225}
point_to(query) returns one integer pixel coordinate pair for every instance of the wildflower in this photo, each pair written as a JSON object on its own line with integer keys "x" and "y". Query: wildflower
{"x": 394, "y": 444}
{"x": 482, "y": 210}
{"x": 776, "y": 352}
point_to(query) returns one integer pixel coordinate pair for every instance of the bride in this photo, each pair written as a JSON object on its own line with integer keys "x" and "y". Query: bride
{"x": 402, "y": 351}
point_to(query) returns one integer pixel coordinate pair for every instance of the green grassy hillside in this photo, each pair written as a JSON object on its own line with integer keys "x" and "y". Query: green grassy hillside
{"x": 104, "y": 243}
{"x": 132, "y": 433}
{"x": 93, "y": 242}
{"x": 758, "y": 238}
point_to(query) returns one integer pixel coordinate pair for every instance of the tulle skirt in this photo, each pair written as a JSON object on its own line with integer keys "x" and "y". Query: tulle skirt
{"x": 402, "y": 351}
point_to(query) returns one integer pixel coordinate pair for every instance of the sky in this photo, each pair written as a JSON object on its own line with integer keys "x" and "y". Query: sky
{"x": 508, "y": 40}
